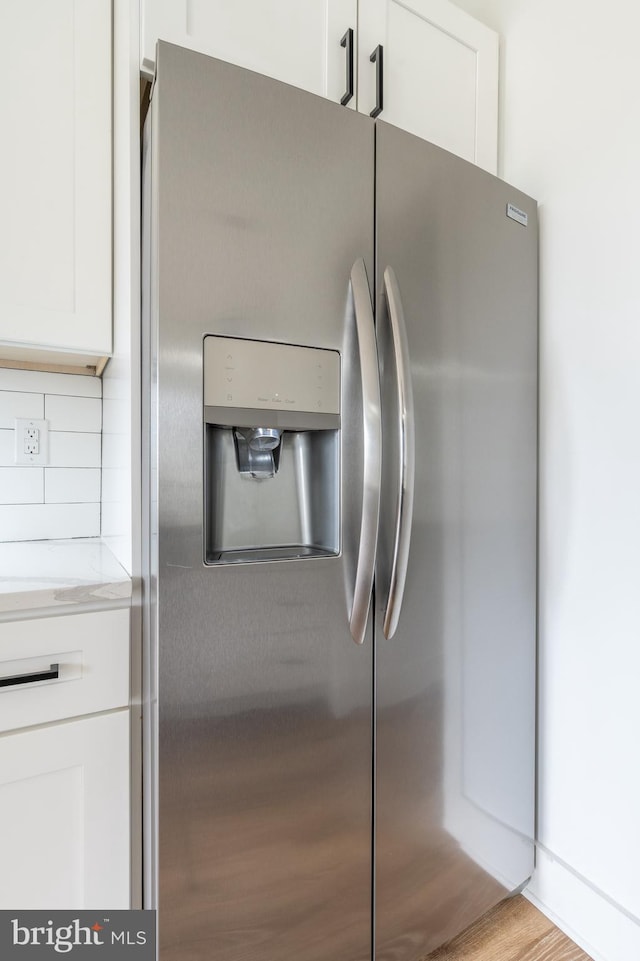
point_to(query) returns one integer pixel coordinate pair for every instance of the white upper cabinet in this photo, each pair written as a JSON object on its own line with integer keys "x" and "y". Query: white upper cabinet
{"x": 297, "y": 41}
{"x": 440, "y": 74}
{"x": 439, "y": 66}
{"x": 55, "y": 178}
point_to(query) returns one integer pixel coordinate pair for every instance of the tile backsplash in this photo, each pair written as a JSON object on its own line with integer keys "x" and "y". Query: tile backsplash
{"x": 62, "y": 498}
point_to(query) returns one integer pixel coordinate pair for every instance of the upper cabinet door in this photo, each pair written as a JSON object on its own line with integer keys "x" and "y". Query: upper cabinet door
{"x": 439, "y": 65}
{"x": 290, "y": 40}
{"x": 440, "y": 74}
{"x": 55, "y": 175}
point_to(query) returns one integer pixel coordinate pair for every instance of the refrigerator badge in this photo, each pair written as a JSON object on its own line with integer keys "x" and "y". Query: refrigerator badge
{"x": 518, "y": 215}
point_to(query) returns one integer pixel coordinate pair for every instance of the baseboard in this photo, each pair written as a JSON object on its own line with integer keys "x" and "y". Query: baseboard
{"x": 600, "y": 927}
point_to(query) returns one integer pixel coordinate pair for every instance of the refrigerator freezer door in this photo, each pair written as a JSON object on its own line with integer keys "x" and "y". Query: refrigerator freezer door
{"x": 261, "y": 206}
{"x": 456, "y": 683}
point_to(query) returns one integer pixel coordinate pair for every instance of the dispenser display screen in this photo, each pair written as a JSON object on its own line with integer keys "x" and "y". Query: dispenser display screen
{"x": 267, "y": 376}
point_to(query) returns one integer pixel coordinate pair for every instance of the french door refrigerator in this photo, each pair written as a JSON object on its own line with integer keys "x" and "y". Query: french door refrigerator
{"x": 340, "y": 407}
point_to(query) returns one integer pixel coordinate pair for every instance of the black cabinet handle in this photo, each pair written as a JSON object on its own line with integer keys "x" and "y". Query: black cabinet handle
{"x": 376, "y": 57}
{"x": 347, "y": 42}
{"x": 49, "y": 675}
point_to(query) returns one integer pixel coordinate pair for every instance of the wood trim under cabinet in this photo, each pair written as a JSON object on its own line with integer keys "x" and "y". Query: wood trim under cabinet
{"x": 91, "y": 370}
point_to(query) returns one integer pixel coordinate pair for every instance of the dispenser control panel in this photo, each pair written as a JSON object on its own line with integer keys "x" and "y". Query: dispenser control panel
{"x": 267, "y": 376}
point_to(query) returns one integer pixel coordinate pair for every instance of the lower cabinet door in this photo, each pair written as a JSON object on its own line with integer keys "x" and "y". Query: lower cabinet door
{"x": 64, "y": 815}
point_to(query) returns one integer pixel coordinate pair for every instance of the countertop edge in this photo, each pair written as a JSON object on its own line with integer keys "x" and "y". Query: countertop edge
{"x": 60, "y": 577}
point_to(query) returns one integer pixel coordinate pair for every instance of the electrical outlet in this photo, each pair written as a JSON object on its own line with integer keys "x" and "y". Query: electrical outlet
{"x": 31, "y": 441}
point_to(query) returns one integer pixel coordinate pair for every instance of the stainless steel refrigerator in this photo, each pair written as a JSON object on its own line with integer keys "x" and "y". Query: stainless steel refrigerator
{"x": 340, "y": 407}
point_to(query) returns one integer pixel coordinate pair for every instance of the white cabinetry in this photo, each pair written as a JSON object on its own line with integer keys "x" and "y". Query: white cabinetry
{"x": 65, "y": 809}
{"x": 64, "y": 815}
{"x": 55, "y": 180}
{"x": 290, "y": 40}
{"x": 439, "y": 65}
{"x": 440, "y": 69}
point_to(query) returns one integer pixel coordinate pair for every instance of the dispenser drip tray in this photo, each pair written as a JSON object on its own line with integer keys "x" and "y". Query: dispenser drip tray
{"x": 290, "y": 511}
{"x": 291, "y": 552}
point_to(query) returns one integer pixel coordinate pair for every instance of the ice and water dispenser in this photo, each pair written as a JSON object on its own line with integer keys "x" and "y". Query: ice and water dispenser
{"x": 271, "y": 450}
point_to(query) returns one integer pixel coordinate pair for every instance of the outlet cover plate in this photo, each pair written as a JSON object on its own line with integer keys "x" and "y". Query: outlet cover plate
{"x": 30, "y": 434}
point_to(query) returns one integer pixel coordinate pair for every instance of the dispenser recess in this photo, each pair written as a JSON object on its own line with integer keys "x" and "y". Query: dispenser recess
{"x": 271, "y": 451}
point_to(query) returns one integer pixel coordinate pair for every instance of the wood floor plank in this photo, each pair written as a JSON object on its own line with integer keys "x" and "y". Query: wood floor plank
{"x": 555, "y": 946}
{"x": 513, "y": 931}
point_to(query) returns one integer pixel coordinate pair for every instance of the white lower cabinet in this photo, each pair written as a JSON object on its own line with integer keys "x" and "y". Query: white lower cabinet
{"x": 64, "y": 815}
{"x": 65, "y": 762}
{"x": 87, "y": 654}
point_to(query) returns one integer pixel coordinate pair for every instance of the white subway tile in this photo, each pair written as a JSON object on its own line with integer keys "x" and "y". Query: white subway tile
{"x": 21, "y": 485}
{"x": 115, "y": 415}
{"x": 112, "y": 482}
{"x": 115, "y": 452}
{"x": 43, "y": 382}
{"x": 16, "y": 404}
{"x": 73, "y": 413}
{"x": 7, "y": 448}
{"x": 69, "y": 449}
{"x": 35, "y": 522}
{"x": 112, "y": 525}
{"x": 71, "y": 485}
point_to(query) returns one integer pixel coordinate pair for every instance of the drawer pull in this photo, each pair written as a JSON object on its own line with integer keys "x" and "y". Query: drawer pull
{"x": 50, "y": 675}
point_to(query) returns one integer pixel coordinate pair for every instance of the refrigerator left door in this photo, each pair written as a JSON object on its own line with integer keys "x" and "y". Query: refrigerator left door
{"x": 260, "y": 203}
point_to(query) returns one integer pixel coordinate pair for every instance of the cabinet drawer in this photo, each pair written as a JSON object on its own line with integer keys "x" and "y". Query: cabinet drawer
{"x": 79, "y": 664}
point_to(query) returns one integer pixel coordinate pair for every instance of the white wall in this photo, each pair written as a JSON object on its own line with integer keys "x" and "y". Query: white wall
{"x": 570, "y": 136}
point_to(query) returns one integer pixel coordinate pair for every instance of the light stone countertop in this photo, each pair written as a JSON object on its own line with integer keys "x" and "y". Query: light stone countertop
{"x": 60, "y": 574}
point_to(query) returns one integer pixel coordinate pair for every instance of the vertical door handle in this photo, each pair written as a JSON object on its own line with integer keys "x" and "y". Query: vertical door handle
{"x": 372, "y": 451}
{"x": 347, "y": 42}
{"x": 376, "y": 57}
{"x": 406, "y": 461}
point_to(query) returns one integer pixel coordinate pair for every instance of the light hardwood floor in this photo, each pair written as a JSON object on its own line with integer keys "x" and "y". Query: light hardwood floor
{"x": 512, "y": 931}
